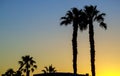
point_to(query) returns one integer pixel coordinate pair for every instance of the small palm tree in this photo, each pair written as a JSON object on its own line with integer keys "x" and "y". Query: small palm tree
{"x": 49, "y": 69}
{"x": 74, "y": 17}
{"x": 27, "y": 64}
{"x": 91, "y": 15}
{"x": 9, "y": 72}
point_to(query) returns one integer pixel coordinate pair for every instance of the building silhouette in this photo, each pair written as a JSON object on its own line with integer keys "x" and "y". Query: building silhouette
{"x": 60, "y": 74}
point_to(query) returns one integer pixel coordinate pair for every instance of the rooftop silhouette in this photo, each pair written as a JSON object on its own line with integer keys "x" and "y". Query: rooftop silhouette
{"x": 60, "y": 74}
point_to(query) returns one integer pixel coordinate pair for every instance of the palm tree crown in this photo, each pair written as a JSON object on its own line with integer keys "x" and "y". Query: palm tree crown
{"x": 92, "y": 14}
{"x": 27, "y": 64}
{"x": 72, "y": 17}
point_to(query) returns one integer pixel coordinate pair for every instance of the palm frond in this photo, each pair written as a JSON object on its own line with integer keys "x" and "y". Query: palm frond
{"x": 32, "y": 62}
{"x": 35, "y": 66}
{"x": 75, "y": 11}
{"x": 21, "y": 62}
{"x": 24, "y": 70}
{"x": 100, "y": 17}
{"x": 67, "y": 19}
{"x": 69, "y": 15}
{"x": 103, "y": 25}
{"x": 63, "y": 18}
{"x": 65, "y": 22}
{"x": 32, "y": 69}
{"x": 95, "y": 11}
{"x": 23, "y": 58}
{"x": 47, "y": 69}
{"x": 30, "y": 58}
{"x": 44, "y": 71}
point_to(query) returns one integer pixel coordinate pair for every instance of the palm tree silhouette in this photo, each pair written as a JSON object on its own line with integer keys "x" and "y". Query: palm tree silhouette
{"x": 9, "y": 72}
{"x": 27, "y": 64}
{"x": 49, "y": 69}
{"x": 91, "y": 14}
{"x": 74, "y": 17}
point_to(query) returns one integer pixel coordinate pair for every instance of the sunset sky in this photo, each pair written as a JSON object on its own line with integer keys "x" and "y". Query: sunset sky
{"x": 32, "y": 27}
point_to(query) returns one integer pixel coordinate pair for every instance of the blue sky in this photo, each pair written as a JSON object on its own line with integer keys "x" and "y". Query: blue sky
{"x": 32, "y": 27}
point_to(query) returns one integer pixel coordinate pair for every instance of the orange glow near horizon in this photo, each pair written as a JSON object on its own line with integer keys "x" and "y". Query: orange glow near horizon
{"x": 108, "y": 72}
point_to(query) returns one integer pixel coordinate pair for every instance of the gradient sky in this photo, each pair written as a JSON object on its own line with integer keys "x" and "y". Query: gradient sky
{"x": 32, "y": 27}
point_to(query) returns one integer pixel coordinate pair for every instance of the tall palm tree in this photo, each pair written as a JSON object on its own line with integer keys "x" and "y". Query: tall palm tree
{"x": 73, "y": 17}
{"x": 27, "y": 64}
{"x": 49, "y": 69}
{"x": 91, "y": 15}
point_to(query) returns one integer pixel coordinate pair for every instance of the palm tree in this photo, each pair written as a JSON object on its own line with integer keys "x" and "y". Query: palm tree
{"x": 27, "y": 64}
{"x": 9, "y": 72}
{"x": 91, "y": 14}
{"x": 73, "y": 17}
{"x": 49, "y": 69}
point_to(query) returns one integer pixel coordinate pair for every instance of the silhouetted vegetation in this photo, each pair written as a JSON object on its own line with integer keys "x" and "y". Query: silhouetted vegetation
{"x": 80, "y": 19}
{"x": 83, "y": 18}
{"x": 74, "y": 17}
{"x": 27, "y": 64}
{"x": 49, "y": 69}
{"x": 91, "y": 14}
{"x": 9, "y": 72}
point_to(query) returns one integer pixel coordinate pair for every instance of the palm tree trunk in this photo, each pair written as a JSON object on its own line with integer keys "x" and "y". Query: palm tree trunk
{"x": 27, "y": 70}
{"x": 28, "y": 73}
{"x": 21, "y": 67}
{"x": 74, "y": 46}
{"x": 92, "y": 48}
